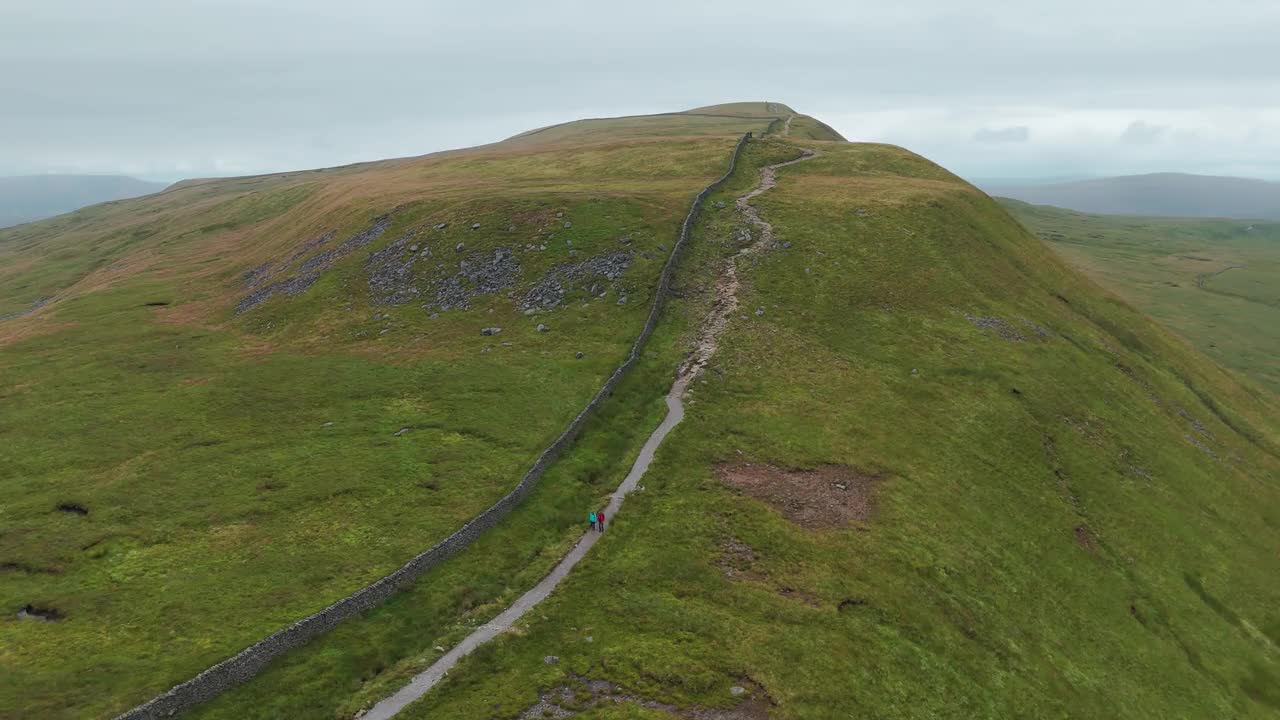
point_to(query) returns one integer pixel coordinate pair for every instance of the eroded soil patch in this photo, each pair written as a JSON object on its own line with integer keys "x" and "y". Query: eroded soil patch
{"x": 831, "y": 496}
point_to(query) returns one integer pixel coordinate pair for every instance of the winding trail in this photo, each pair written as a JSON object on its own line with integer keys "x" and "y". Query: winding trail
{"x": 786, "y": 127}
{"x": 705, "y": 346}
{"x": 727, "y": 284}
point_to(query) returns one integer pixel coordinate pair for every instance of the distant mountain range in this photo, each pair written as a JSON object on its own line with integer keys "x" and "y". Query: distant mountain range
{"x": 1169, "y": 194}
{"x": 26, "y": 198}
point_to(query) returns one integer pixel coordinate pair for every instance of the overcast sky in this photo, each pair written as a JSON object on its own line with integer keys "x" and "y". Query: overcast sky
{"x": 1023, "y": 88}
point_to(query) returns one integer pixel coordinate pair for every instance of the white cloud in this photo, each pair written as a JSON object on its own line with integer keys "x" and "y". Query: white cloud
{"x": 177, "y": 88}
{"x": 1016, "y": 133}
{"x": 1142, "y": 133}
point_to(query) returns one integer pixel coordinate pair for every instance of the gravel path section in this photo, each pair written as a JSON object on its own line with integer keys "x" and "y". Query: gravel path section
{"x": 705, "y": 346}
{"x": 727, "y": 284}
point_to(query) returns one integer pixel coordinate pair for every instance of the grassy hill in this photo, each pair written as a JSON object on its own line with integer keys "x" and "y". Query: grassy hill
{"x": 932, "y": 471}
{"x": 183, "y": 471}
{"x": 32, "y": 197}
{"x": 1216, "y": 282}
{"x": 941, "y": 475}
{"x": 1159, "y": 194}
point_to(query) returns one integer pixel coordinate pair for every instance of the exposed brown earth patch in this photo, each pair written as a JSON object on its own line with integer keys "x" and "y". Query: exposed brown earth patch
{"x": 831, "y": 496}
{"x": 1086, "y": 539}
{"x": 737, "y": 560}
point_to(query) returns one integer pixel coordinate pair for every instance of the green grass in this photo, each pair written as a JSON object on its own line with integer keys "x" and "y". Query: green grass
{"x": 976, "y": 598}
{"x": 1215, "y": 282}
{"x": 371, "y": 657}
{"x": 221, "y": 507}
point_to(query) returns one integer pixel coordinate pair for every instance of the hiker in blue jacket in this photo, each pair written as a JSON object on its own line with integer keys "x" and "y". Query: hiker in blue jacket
{"x": 593, "y": 519}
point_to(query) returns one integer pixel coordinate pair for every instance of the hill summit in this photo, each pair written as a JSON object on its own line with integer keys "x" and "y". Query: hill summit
{"x": 926, "y": 469}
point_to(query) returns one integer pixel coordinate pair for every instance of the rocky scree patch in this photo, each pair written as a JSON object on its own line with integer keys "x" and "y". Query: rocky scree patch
{"x": 310, "y": 270}
{"x": 550, "y": 291}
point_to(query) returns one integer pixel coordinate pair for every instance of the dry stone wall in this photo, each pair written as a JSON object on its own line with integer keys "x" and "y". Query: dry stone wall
{"x": 250, "y": 661}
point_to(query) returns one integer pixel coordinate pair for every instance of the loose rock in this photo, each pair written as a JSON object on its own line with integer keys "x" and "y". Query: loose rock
{"x": 542, "y": 328}
{"x": 401, "y": 431}
{"x": 579, "y": 355}
{"x": 475, "y": 226}
{"x": 491, "y": 331}
{"x": 550, "y": 291}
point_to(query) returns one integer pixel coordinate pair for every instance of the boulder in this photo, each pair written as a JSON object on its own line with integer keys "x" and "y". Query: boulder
{"x": 490, "y": 331}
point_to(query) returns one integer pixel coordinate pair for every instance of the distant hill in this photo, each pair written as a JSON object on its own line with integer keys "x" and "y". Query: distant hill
{"x": 1214, "y": 280}
{"x": 25, "y": 198}
{"x": 1168, "y": 194}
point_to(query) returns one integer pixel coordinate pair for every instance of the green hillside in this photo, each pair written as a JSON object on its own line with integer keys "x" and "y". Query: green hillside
{"x": 1215, "y": 282}
{"x": 931, "y": 471}
{"x": 941, "y": 475}
{"x": 178, "y": 479}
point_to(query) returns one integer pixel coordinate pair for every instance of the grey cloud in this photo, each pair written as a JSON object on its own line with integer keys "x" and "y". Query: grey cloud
{"x": 1020, "y": 133}
{"x": 1142, "y": 133}
{"x": 168, "y": 89}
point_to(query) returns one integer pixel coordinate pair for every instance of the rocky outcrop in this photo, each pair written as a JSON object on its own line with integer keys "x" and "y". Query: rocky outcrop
{"x": 550, "y": 291}
{"x": 311, "y": 269}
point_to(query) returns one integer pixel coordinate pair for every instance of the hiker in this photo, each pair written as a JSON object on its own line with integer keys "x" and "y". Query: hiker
{"x": 593, "y": 519}
{"x": 600, "y": 520}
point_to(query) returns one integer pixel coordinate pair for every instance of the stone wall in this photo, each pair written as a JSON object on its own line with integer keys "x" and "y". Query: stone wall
{"x": 250, "y": 661}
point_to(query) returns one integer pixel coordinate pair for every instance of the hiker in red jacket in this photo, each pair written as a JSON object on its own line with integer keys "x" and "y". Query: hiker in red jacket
{"x": 600, "y": 520}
